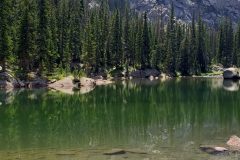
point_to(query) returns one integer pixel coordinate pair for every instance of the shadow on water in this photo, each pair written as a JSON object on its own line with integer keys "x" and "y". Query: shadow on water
{"x": 171, "y": 118}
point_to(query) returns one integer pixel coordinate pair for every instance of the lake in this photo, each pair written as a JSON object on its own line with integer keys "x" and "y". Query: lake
{"x": 168, "y": 120}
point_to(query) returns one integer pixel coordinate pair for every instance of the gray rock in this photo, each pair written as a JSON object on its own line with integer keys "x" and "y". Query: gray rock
{"x": 37, "y": 83}
{"x": 8, "y": 81}
{"x": 231, "y": 73}
{"x": 145, "y": 73}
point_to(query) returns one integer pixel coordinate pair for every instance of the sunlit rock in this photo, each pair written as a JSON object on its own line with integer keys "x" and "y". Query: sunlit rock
{"x": 234, "y": 142}
{"x": 230, "y": 85}
{"x": 65, "y": 85}
{"x": 87, "y": 82}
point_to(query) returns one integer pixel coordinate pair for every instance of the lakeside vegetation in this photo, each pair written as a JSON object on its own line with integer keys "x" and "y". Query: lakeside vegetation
{"x": 68, "y": 36}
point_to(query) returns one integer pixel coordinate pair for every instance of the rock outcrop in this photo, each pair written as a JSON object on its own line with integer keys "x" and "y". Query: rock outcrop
{"x": 213, "y": 11}
{"x": 83, "y": 85}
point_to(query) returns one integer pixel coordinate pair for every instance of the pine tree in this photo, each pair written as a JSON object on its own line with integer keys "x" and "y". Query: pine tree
{"x": 171, "y": 45}
{"x": 126, "y": 42}
{"x": 184, "y": 66}
{"x": 89, "y": 45}
{"x": 145, "y": 58}
{"x": 28, "y": 37}
{"x": 193, "y": 49}
{"x": 116, "y": 46}
{"x": 44, "y": 36}
{"x": 226, "y": 44}
{"x": 6, "y": 43}
{"x": 221, "y": 44}
{"x": 201, "y": 58}
{"x": 76, "y": 30}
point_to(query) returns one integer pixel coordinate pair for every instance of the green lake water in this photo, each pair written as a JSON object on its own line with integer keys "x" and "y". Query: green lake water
{"x": 167, "y": 120}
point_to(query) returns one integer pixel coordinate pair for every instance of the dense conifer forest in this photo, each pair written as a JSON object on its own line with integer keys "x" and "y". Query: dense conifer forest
{"x": 51, "y": 36}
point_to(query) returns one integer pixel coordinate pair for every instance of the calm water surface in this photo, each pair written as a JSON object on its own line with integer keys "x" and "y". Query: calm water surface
{"x": 168, "y": 120}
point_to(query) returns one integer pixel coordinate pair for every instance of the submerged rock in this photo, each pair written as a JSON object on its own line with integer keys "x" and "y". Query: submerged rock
{"x": 122, "y": 151}
{"x": 213, "y": 149}
{"x": 231, "y": 73}
{"x": 115, "y": 152}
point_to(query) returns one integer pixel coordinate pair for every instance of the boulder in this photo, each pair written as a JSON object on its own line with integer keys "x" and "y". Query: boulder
{"x": 37, "y": 83}
{"x": 231, "y": 73}
{"x": 8, "y": 81}
{"x": 145, "y": 73}
{"x": 213, "y": 149}
{"x": 65, "y": 85}
{"x": 66, "y": 82}
{"x": 117, "y": 73}
{"x": 234, "y": 142}
{"x": 87, "y": 82}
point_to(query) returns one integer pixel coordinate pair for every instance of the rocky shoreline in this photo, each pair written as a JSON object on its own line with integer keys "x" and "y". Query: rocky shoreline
{"x": 66, "y": 84}
{"x": 85, "y": 85}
